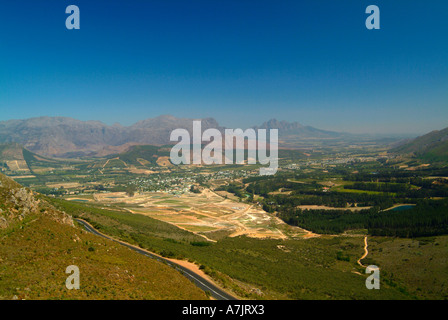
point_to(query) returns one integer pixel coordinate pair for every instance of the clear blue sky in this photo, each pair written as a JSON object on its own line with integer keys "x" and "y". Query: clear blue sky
{"x": 240, "y": 61}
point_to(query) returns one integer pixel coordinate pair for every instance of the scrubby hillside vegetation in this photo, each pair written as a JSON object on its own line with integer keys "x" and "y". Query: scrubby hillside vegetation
{"x": 430, "y": 147}
{"x": 38, "y": 243}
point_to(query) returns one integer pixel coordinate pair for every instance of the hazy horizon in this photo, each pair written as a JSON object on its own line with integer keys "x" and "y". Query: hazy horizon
{"x": 229, "y": 124}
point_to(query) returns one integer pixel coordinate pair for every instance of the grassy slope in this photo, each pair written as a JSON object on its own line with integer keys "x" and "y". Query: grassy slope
{"x": 146, "y": 152}
{"x": 420, "y": 265}
{"x": 11, "y": 151}
{"x": 35, "y": 252}
{"x": 35, "y": 255}
{"x": 431, "y": 147}
{"x": 301, "y": 269}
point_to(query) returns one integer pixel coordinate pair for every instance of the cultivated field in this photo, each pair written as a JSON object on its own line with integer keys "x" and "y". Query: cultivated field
{"x": 206, "y": 214}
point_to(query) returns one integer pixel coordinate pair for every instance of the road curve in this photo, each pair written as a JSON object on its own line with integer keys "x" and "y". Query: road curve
{"x": 198, "y": 280}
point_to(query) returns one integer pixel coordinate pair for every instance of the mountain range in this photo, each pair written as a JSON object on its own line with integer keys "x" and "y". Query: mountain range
{"x": 70, "y": 138}
{"x": 286, "y": 128}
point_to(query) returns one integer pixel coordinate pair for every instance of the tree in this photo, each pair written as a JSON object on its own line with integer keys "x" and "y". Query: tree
{"x": 130, "y": 191}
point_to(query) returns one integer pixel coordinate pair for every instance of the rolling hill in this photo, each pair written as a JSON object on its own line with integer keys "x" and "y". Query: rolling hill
{"x": 14, "y": 159}
{"x": 430, "y": 147}
{"x": 38, "y": 242}
{"x": 144, "y": 155}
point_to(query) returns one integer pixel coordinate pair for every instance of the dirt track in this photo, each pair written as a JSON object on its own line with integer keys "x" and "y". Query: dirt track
{"x": 366, "y": 252}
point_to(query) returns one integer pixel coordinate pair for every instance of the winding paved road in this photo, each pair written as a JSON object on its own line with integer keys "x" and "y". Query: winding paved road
{"x": 198, "y": 280}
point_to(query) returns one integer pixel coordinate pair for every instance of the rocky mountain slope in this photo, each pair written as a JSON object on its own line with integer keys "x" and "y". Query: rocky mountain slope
{"x": 71, "y": 138}
{"x": 300, "y": 131}
{"x": 66, "y": 137}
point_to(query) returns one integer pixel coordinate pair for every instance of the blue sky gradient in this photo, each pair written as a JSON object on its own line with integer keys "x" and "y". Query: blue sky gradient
{"x": 239, "y": 61}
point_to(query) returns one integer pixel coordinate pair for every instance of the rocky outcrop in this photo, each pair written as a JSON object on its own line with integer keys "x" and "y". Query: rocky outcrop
{"x": 3, "y": 223}
{"x": 63, "y": 218}
{"x": 21, "y": 202}
{"x": 24, "y": 200}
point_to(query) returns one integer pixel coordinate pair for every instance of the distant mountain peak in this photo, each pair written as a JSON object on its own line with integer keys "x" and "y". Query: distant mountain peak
{"x": 280, "y": 125}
